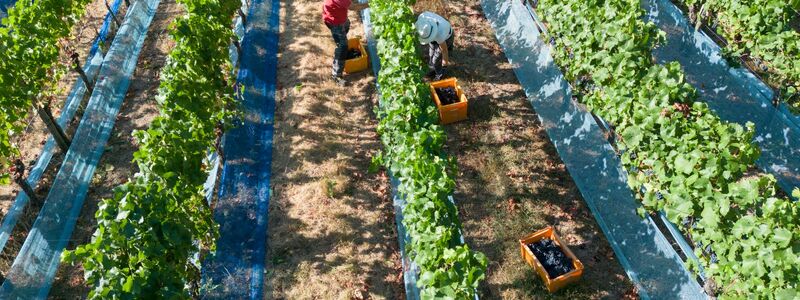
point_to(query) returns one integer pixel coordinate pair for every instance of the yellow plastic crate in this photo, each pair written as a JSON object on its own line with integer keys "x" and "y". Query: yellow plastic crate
{"x": 553, "y": 284}
{"x": 358, "y": 64}
{"x": 452, "y": 112}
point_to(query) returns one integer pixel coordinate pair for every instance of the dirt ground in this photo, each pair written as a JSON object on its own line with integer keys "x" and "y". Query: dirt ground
{"x": 32, "y": 140}
{"x": 138, "y": 110}
{"x": 511, "y": 181}
{"x": 331, "y": 226}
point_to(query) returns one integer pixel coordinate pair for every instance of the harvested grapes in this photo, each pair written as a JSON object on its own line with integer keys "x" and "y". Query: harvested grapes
{"x": 555, "y": 261}
{"x": 353, "y": 53}
{"x": 447, "y": 95}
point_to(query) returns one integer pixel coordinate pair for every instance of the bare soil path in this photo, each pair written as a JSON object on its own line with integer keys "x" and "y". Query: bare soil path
{"x": 331, "y": 226}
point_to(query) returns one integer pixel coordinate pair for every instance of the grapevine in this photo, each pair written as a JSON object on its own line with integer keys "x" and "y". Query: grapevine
{"x": 760, "y": 29}
{"x": 151, "y": 229}
{"x": 29, "y": 67}
{"x": 681, "y": 158}
{"x": 413, "y": 153}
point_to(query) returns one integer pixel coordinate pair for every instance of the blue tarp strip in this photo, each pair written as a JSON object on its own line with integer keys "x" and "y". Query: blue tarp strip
{"x": 236, "y": 269}
{"x": 67, "y": 113}
{"x": 735, "y": 94}
{"x": 672, "y": 230}
{"x": 643, "y": 251}
{"x": 687, "y": 249}
{"x": 21, "y": 201}
{"x": 33, "y": 270}
{"x": 213, "y": 157}
{"x": 410, "y": 269}
{"x": 104, "y": 29}
{"x": 791, "y": 117}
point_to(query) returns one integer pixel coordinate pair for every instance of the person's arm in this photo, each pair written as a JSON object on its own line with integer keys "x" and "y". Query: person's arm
{"x": 445, "y": 53}
{"x": 358, "y": 6}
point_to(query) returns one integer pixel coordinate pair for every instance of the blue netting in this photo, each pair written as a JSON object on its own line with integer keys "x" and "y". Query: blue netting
{"x": 35, "y": 266}
{"x": 213, "y": 157}
{"x": 734, "y": 94}
{"x": 236, "y": 269}
{"x": 642, "y": 249}
{"x": 67, "y": 113}
{"x": 102, "y": 36}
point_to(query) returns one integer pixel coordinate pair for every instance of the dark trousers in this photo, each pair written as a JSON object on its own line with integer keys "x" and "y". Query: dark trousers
{"x": 339, "y": 33}
{"x": 435, "y": 54}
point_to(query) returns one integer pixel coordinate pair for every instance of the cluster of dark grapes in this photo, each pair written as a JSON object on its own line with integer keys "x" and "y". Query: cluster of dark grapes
{"x": 583, "y": 82}
{"x": 555, "y": 261}
{"x": 760, "y": 64}
{"x": 447, "y": 95}
{"x": 353, "y": 53}
{"x": 686, "y": 222}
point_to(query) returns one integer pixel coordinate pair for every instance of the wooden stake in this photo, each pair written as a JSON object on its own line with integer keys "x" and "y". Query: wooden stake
{"x": 113, "y": 15}
{"x": 244, "y": 18}
{"x": 18, "y": 172}
{"x": 238, "y": 47}
{"x": 61, "y": 138}
{"x": 76, "y": 66}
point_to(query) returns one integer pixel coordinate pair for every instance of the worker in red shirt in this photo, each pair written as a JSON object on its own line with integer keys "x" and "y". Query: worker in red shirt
{"x": 334, "y": 13}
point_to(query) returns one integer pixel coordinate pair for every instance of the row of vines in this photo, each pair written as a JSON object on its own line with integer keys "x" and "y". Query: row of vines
{"x": 29, "y": 64}
{"x": 681, "y": 158}
{"x": 759, "y": 29}
{"x": 413, "y": 154}
{"x": 150, "y": 232}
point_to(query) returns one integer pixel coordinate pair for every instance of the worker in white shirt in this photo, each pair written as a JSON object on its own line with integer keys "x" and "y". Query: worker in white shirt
{"x": 437, "y": 33}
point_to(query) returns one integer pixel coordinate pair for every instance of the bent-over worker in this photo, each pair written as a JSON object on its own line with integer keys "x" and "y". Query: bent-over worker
{"x": 435, "y": 31}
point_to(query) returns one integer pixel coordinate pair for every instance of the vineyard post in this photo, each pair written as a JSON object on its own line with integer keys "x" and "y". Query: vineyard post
{"x": 238, "y": 47}
{"x": 776, "y": 98}
{"x": 113, "y": 15}
{"x": 58, "y": 133}
{"x": 18, "y": 172}
{"x": 76, "y": 66}
{"x": 219, "y": 130}
{"x": 244, "y": 17}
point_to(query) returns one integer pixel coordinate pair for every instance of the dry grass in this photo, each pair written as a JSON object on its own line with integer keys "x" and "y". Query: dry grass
{"x": 331, "y": 228}
{"x": 511, "y": 181}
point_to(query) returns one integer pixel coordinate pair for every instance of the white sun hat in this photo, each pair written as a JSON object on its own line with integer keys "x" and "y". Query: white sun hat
{"x": 432, "y": 28}
{"x": 425, "y": 29}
